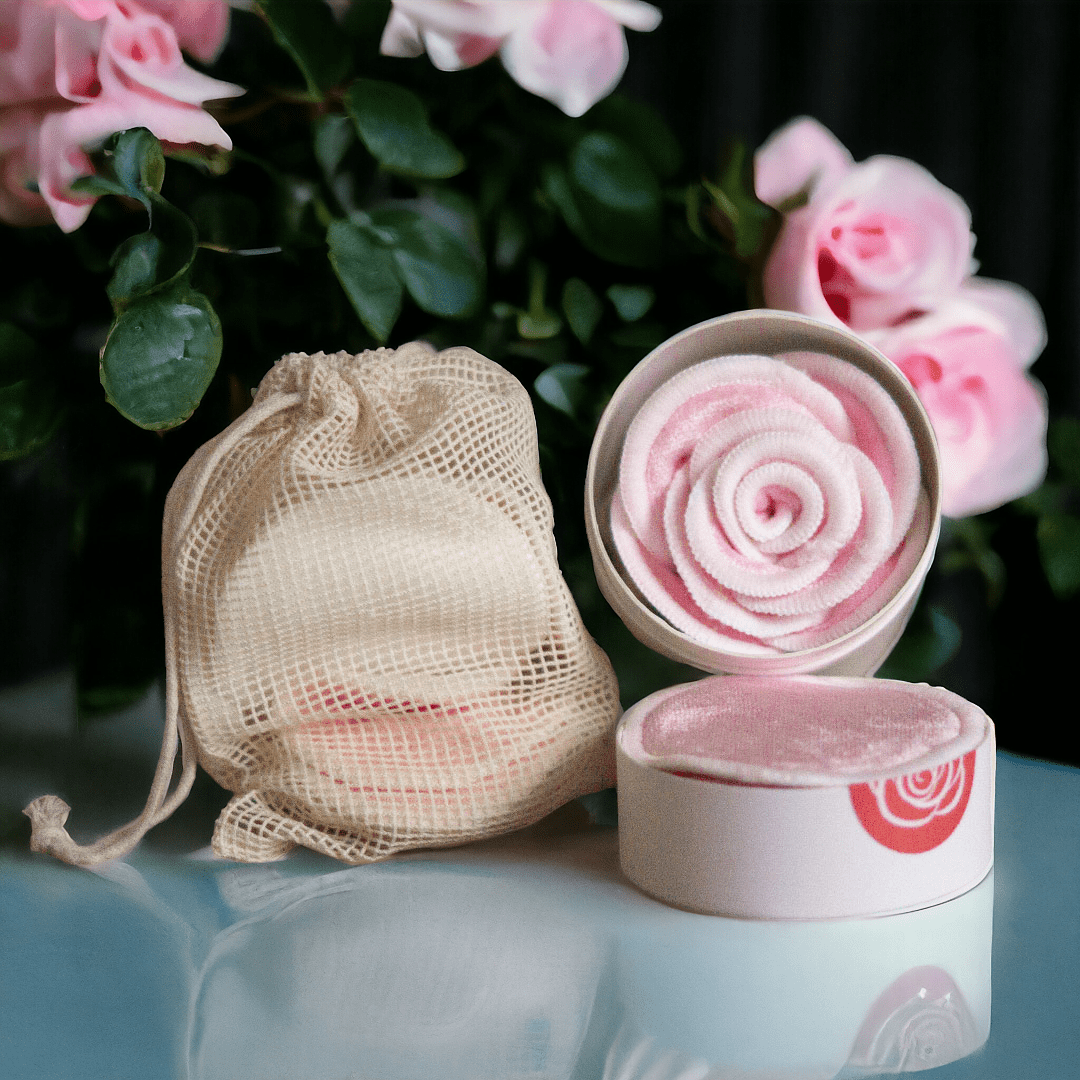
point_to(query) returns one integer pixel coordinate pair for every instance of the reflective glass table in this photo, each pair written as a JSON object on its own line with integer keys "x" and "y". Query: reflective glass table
{"x": 520, "y": 958}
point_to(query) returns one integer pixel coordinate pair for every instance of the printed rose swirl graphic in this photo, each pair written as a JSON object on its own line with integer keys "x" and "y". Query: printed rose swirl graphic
{"x": 916, "y": 813}
{"x": 769, "y": 504}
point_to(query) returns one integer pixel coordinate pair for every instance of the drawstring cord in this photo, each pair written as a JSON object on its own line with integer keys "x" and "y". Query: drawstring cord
{"x": 48, "y": 814}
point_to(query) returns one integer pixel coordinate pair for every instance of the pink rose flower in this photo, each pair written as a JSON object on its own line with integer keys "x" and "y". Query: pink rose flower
{"x": 19, "y": 128}
{"x": 875, "y": 242}
{"x": 73, "y": 72}
{"x": 883, "y": 248}
{"x": 968, "y": 363}
{"x": 571, "y": 52}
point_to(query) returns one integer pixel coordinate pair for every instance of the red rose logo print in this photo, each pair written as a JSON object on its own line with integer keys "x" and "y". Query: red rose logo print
{"x": 917, "y": 812}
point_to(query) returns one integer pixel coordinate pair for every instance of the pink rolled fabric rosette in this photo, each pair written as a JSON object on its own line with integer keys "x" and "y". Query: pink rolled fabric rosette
{"x": 769, "y": 504}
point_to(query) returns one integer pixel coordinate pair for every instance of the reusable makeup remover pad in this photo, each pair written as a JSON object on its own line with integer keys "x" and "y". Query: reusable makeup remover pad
{"x": 762, "y": 497}
{"x": 769, "y": 503}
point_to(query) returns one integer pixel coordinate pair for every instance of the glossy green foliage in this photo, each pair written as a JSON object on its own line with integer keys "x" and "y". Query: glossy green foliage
{"x": 160, "y": 356}
{"x": 154, "y": 259}
{"x": 306, "y": 30}
{"x": 610, "y": 197}
{"x": 393, "y": 124}
{"x": 366, "y": 271}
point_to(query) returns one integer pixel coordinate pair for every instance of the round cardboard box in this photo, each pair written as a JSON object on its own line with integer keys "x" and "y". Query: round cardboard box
{"x": 783, "y": 849}
{"x": 861, "y": 846}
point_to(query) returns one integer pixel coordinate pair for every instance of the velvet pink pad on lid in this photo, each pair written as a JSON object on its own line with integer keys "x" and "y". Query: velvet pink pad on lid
{"x": 802, "y": 730}
{"x": 769, "y": 504}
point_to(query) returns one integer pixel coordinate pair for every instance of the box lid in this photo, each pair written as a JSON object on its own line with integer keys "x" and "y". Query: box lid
{"x": 861, "y": 650}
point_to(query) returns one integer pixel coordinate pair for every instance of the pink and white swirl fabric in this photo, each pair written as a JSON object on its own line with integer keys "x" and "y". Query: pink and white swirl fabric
{"x": 769, "y": 504}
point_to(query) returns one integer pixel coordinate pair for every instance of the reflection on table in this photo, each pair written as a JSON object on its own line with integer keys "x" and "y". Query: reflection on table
{"x": 529, "y": 956}
{"x": 522, "y": 959}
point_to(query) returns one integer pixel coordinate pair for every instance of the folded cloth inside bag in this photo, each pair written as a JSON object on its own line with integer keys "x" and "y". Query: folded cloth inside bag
{"x": 769, "y": 504}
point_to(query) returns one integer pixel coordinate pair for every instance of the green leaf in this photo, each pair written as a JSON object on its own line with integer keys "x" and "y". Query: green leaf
{"x": 618, "y": 197}
{"x": 614, "y": 175}
{"x": 749, "y": 218}
{"x": 582, "y": 308}
{"x": 437, "y": 268}
{"x": 368, "y": 275}
{"x": 555, "y": 184}
{"x": 631, "y": 301}
{"x": 152, "y": 260}
{"x": 965, "y": 542}
{"x": 160, "y": 356}
{"x": 643, "y": 128}
{"x": 138, "y": 162}
{"x": 136, "y": 263}
{"x": 334, "y": 134}
{"x": 29, "y": 415}
{"x": 1059, "y": 548}
{"x": 1063, "y": 443}
{"x": 930, "y": 641}
{"x": 306, "y": 30}
{"x": 561, "y": 387}
{"x": 511, "y": 238}
{"x": 97, "y": 186}
{"x": 393, "y": 124}
{"x": 538, "y": 325}
{"x": 133, "y": 165}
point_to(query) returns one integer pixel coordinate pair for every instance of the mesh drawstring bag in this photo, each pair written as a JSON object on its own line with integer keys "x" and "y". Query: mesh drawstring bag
{"x": 368, "y": 639}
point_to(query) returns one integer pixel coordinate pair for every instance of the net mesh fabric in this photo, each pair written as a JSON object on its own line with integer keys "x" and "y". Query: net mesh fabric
{"x": 375, "y": 649}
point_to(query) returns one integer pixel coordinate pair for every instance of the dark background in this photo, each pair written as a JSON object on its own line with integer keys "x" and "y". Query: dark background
{"x": 984, "y": 95}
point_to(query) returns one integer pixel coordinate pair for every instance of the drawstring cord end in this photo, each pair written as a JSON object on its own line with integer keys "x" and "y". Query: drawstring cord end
{"x": 47, "y": 815}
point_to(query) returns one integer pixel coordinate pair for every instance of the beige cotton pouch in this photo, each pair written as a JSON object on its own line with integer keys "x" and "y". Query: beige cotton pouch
{"x": 368, "y": 638}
